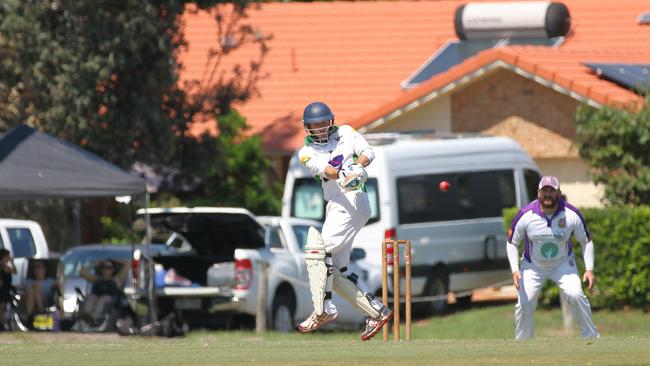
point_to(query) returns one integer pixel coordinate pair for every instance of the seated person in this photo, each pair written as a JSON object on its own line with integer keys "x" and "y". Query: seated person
{"x": 7, "y": 268}
{"x": 40, "y": 289}
{"x": 106, "y": 286}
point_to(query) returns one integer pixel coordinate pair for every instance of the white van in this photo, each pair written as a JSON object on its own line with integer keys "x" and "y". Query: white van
{"x": 24, "y": 239}
{"x": 457, "y": 236}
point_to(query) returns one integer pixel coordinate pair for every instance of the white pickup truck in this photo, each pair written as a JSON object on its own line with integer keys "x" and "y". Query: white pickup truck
{"x": 217, "y": 266}
{"x": 24, "y": 239}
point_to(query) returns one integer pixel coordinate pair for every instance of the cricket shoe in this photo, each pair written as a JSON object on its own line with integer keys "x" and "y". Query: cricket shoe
{"x": 374, "y": 325}
{"x": 316, "y": 321}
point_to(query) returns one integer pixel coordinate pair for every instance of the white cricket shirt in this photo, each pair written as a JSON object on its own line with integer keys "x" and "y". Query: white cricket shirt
{"x": 342, "y": 148}
{"x": 547, "y": 241}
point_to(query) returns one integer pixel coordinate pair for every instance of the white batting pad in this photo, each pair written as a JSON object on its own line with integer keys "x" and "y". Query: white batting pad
{"x": 349, "y": 291}
{"x": 316, "y": 268}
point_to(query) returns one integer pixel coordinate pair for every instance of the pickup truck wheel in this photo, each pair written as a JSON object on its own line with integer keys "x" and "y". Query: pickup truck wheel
{"x": 283, "y": 311}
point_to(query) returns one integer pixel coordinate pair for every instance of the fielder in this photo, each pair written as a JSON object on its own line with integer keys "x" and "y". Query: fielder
{"x": 337, "y": 157}
{"x": 546, "y": 226}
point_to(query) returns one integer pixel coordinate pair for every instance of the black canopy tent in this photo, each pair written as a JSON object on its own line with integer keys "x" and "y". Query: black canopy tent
{"x": 36, "y": 165}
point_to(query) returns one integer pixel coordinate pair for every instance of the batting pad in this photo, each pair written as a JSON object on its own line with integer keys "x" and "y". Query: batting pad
{"x": 350, "y": 292}
{"x": 316, "y": 268}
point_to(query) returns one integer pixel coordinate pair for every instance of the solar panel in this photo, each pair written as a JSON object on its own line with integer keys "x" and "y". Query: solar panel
{"x": 453, "y": 53}
{"x": 631, "y": 76}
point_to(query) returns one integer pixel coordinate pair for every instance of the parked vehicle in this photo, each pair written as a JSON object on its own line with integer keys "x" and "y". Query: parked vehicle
{"x": 456, "y": 232}
{"x": 208, "y": 241}
{"x": 24, "y": 239}
{"x": 220, "y": 253}
{"x": 75, "y": 287}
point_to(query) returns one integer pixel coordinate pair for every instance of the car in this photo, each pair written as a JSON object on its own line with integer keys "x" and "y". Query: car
{"x": 81, "y": 256}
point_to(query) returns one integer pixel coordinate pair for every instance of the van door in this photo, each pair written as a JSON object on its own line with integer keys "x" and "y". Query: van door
{"x": 459, "y": 229}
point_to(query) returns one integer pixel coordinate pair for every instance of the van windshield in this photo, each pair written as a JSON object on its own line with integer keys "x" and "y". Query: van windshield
{"x": 307, "y": 201}
{"x": 471, "y": 195}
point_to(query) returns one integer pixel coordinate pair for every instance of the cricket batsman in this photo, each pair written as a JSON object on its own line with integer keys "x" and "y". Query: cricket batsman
{"x": 337, "y": 156}
{"x": 545, "y": 227}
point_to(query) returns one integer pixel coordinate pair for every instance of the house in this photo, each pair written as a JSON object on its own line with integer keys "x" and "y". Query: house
{"x": 376, "y": 64}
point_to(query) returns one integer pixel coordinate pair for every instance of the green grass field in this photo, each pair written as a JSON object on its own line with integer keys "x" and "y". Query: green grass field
{"x": 478, "y": 336}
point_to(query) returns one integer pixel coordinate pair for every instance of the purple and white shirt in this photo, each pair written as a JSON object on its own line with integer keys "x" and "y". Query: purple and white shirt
{"x": 343, "y": 146}
{"x": 547, "y": 240}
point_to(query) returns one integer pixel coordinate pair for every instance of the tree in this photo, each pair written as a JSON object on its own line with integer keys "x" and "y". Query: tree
{"x": 615, "y": 144}
{"x": 243, "y": 174}
{"x": 104, "y": 74}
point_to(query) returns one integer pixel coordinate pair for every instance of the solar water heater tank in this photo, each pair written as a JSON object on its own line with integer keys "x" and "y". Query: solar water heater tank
{"x": 537, "y": 19}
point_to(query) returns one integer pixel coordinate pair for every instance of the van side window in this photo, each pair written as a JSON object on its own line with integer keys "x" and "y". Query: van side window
{"x": 22, "y": 242}
{"x": 471, "y": 195}
{"x": 532, "y": 179}
{"x": 307, "y": 201}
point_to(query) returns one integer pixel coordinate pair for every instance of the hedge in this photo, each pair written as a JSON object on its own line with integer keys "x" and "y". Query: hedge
{"x": 621, "y": 237}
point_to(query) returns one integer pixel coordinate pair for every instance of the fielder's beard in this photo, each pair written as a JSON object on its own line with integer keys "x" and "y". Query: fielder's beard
{"x": 549, "y": 202}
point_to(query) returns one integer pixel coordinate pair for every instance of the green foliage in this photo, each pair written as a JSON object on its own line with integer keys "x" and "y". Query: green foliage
{"x": 104, "y": 74}
{"x": 621, "y": 238}
{"x": 615, "y": 144}
{"x": 116, "y": 232}
{"x": 242, "y": 179}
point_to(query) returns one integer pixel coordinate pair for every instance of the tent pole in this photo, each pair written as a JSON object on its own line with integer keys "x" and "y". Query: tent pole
{"x": 151, "y": 285}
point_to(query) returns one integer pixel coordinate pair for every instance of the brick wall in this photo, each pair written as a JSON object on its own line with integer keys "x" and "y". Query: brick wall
{"x": 503, "y": 94}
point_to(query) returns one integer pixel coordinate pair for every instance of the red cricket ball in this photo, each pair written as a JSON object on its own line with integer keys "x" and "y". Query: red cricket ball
{"x": 444, "y": 186}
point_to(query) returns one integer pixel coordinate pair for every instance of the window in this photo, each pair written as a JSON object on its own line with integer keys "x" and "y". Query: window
{"x": 471, "y": 195}
{"x": 74, "y": 260}
{"x": 308, "y": 203}
{"x": 22, "y": 242}
{"x": 301, "y": 234}
{"x": 275, "y": 237}
{"x": 532, "y": 180}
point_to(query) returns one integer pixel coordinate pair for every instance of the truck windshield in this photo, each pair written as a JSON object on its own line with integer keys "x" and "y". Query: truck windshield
{"x": 307, "y": 201}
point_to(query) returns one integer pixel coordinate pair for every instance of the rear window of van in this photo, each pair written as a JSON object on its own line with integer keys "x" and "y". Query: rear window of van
{"x": 471, "y": 195}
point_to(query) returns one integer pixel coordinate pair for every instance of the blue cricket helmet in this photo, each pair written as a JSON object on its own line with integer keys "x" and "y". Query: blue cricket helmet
{"x": 318, "y": 112}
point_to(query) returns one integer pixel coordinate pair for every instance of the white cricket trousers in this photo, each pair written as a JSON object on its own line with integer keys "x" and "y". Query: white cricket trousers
{"x": 567, "y": 277}
{"x": 345, "y": 215}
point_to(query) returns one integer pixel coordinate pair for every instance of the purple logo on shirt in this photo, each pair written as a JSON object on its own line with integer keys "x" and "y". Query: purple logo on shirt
{"x": 336, "y": 162}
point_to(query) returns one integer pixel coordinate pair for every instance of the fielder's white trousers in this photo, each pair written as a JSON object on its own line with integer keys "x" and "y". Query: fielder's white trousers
{"x": 345, "y": 215}
{"x": 567, "y": 277}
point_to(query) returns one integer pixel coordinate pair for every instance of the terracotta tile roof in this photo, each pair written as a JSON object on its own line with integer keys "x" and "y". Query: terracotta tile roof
{"x": 557, "y": 68}
{"x": 354, "y": 55}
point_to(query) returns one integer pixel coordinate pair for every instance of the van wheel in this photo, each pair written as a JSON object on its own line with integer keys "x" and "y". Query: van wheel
{"x": 283, "y": 312}
{"x": 438, "y": 287}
